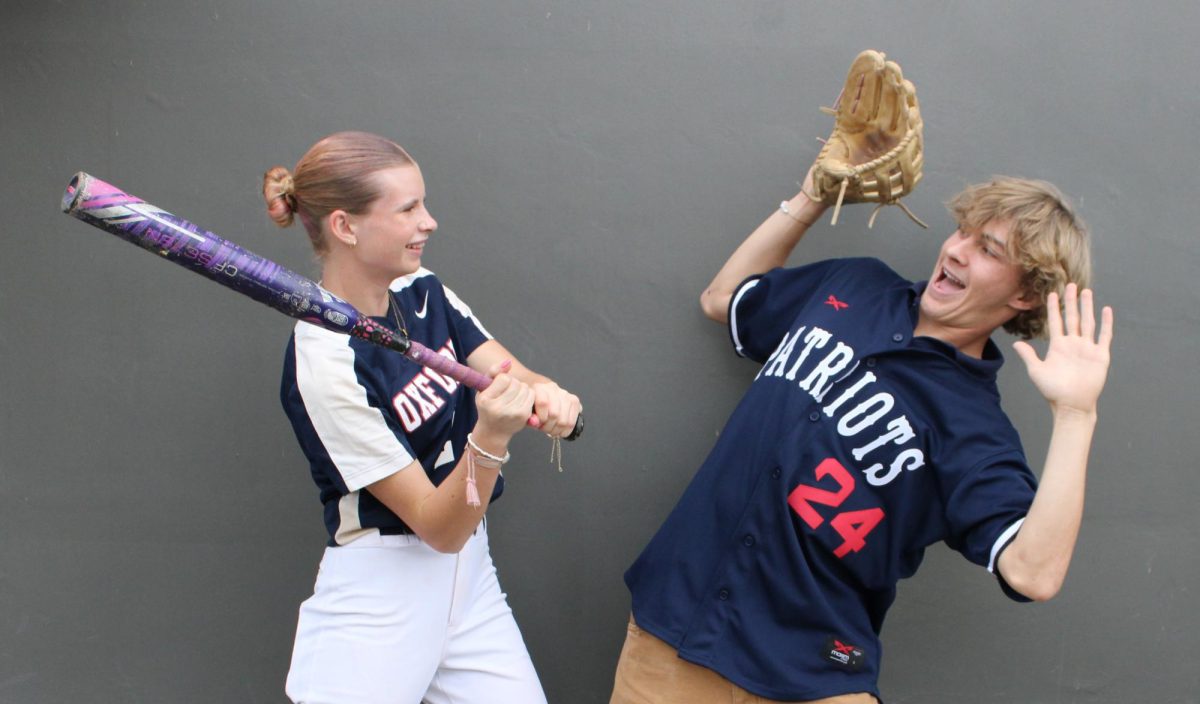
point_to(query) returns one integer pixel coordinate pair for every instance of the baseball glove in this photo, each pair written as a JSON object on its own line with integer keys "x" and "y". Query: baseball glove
{"x": 875, "y": 153}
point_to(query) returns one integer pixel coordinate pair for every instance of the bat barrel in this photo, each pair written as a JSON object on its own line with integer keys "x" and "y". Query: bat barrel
{"x": 109, "y": 208}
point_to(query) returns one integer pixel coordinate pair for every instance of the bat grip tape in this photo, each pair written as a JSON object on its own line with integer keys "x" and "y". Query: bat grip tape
{"x": 459, "y": 372}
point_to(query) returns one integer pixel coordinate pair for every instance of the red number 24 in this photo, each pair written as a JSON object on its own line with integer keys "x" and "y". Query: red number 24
{"x": 852, "y": 526}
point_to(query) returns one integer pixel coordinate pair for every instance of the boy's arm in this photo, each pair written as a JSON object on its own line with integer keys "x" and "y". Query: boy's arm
{"x": 1071, "y": 378}
{"x": 766, "y": 248}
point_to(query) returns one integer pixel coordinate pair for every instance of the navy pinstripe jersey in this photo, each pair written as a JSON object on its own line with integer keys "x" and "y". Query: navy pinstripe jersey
{"x": 362, "y": 412}
{"x": 856, "y": 446}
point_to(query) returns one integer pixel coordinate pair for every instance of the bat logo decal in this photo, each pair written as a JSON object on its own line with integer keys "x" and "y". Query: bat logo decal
{"x": 136, "y": 212}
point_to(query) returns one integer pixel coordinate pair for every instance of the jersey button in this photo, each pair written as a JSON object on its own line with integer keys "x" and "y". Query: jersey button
{"x": 898, "y": 337}
{"x": 723, "y": 595}
{"x": 814, "y": 416}
{"x": 775, "y": 473}
{"x": 870, "y": 362}
{"x": 748, "y": 541}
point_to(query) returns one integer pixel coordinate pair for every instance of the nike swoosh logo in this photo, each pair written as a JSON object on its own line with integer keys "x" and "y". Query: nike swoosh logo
{"x": 424, "y": 307}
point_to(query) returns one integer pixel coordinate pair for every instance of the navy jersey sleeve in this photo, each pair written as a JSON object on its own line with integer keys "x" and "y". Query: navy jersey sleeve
{"x": 987, "y": 508}
{"x": 471, "y": 332}
{"x": 764, "y": 306}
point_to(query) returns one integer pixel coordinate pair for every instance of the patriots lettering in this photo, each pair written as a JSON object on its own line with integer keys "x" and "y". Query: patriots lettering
{"x": 850, "y": 393}
{"x": 852, "y": 418}
{"x": 899, "y": 431}
{"x": 910, "y": 459}
{"x": 858, "y": 413}
{"x": 815, "y": 339}
{"x": 833, "y": 363}
{"x": 865, "y": 414}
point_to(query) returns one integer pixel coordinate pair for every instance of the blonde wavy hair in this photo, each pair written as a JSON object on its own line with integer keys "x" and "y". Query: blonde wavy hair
{"x": 1047, "y": 239}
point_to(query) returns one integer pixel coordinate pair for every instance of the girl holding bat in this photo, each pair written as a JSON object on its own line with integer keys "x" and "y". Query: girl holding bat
{"x": 406, "y": 605}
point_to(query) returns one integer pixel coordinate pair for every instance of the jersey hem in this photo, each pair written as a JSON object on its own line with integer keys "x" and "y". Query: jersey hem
{"x": 750, "y": 686}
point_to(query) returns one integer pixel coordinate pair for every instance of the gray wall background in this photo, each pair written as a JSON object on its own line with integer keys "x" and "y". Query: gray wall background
{"x": 591, "y": 165}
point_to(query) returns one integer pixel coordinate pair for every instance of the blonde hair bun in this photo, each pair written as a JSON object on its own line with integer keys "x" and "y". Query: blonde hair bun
{"x": 279, "y": 191}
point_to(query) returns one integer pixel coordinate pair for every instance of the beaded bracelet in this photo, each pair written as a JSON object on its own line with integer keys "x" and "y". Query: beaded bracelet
{"x": 485, "y": 458}
{"x": 485, "y": 454}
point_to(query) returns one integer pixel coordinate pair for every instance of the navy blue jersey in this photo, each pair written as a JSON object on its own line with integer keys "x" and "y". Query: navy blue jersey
{"x": 362, "y": 412}
{"x": 856, "y": 446}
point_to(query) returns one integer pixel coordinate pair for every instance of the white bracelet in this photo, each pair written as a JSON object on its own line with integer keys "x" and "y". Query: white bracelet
{"x": 485, "y": 454}
{"x": 783, "y": 208}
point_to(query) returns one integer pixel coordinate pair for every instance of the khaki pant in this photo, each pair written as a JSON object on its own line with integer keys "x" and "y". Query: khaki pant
{"x": 651, "y": 672}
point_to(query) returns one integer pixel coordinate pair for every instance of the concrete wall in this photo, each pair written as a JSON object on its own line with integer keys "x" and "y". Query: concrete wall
{"x": 591, "y": 165}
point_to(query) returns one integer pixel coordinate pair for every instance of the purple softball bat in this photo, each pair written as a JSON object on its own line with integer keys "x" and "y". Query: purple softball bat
{"x": 171, "y": 237}
{"x": 177, "y": 240}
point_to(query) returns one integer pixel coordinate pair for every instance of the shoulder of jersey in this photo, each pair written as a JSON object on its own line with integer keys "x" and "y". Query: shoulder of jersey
{"x": 870, "y": 265}
{"x": 418, "y": 279}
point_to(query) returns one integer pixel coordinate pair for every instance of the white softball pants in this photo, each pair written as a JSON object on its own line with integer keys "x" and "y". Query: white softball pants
{"x": 393, "y": 620}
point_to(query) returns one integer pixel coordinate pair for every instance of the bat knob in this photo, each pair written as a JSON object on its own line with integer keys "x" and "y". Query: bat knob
{"x": 578, "y": 428}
